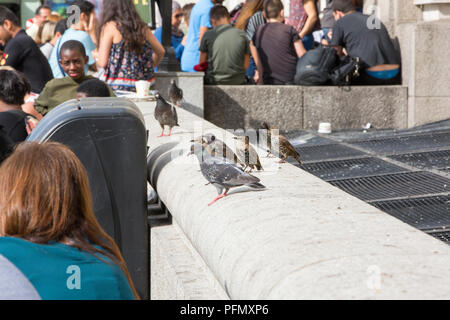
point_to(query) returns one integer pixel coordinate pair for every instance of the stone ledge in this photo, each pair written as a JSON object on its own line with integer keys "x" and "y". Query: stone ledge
{"x": 301, "y": 238}
{"x": 297, "y": 107}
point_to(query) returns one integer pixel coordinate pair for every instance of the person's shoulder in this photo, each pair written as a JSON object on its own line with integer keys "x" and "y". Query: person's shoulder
{"x": 13, "y": 245}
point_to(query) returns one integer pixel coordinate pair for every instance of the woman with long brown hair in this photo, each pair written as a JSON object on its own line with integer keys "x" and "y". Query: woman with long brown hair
{"x": 128, "y": 50}
{"x": 250, "y": 18}
{"x": 48, "y": 229}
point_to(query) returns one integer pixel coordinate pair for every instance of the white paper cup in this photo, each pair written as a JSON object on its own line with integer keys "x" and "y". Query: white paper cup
{"x": 325, "y": 127}
{"x": 142, "y": 88}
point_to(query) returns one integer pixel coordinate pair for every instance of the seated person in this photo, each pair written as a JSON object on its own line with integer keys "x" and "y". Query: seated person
{"x": 13, "y": 88}
{"x": 49, "y": 231}
{"x": 276, "y": 47}
{"x": 57, "y": 91}
{"x": 226, "y": 50}
{"x": 6, "y": 145}
{"x": 177, "y": 35}
{"x": 372, "y": 45}
{"x": 93, "y": 88}
{"x": 84, "y": 30}
{"x": 59, "y": 30}
{"x": 22, "y": 53}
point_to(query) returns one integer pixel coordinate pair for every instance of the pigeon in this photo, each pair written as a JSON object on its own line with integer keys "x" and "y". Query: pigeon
{"x": 218, "y": 148}
{"x": 222, "y": 174}
{"x": 247, "y": 154}
{"x": 175, "y": 93}
{"x": 281, "y": 144}
{"x": 166, "y": 114}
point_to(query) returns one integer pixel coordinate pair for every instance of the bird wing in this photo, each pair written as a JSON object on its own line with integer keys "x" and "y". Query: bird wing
{"x": 289, "y": 147}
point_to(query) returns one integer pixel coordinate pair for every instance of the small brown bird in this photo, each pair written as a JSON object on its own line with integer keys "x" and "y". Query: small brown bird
{"x": 175, "y": 93}
{"x": 280, "y": 144}
{"x": 247, "y": 154}
{"x": 166, "y": 114}
{"x": 217, "y": 148}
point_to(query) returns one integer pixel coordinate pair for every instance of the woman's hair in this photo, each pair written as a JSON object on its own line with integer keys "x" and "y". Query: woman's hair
{"x": 46, "y": 32}
{"x": 13, "y": 87}
{"x": 45, "y": 197}
{"x": 248, "y": 10}
{"x": 187, "y": 8}
{"x": 128, "y": 21}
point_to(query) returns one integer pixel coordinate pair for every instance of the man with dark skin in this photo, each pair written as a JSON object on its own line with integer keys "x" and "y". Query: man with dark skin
{"x": 73, "y": 59}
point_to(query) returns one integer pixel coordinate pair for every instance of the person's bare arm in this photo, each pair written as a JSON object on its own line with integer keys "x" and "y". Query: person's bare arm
{"x": 246, "y": 61}
{"x": 158, "y": 49}
{"x": 203, "y": 57}
{"x": 259, "y": 67}
{"x": 299, "y": 48}
{"x": 202, "y": 32}
{"x": 105, "y": 44}
{"x": 310, "y": 8}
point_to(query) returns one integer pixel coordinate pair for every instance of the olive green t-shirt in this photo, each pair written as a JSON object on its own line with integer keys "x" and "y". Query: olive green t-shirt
{"x": 226, "y": 47}
{"x": 58, "y": 91}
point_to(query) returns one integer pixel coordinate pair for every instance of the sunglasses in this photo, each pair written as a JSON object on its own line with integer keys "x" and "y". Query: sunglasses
{"x": 180, "y": 15}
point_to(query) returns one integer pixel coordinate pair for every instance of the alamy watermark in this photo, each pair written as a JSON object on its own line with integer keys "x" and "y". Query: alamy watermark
{"x": 74, "y": 280}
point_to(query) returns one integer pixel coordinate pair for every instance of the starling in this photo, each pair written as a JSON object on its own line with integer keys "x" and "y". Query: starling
{"x": 166, "y": 114}
{"x": 175, "y": 93}
{"x": 281, "y": 144}
{"x": 222, "y": 174}
{"x": 218, "y": 148}
{"x": 247, "y": 154}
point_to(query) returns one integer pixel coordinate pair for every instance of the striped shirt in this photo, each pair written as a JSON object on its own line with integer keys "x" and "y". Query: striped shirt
{"x": 253, "y": 23}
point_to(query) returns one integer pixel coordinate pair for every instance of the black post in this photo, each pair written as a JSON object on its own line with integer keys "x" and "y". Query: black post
{"x": 169, "y": 62}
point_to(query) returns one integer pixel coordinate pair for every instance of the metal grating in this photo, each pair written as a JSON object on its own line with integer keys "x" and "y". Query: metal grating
{"x": 394, "y": 185}
{"x": 422, "y": 213}
{"x": 426, "y": 160}
{"x": 405, "y": 144}
{"x": 352, "y": 168}
{"x": 327, "y": 152}
{"x": 443, "y": 236}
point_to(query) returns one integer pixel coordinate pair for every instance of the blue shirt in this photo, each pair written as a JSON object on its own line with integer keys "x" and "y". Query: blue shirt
{"x": 176, "y": 42}
{"x": 71, "y": 34}
{"x": 61, "y": 272}
{"x": 199, "y": 18}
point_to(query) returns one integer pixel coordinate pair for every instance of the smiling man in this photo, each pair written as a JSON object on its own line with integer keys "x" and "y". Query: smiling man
{"x": 73, "y": 59}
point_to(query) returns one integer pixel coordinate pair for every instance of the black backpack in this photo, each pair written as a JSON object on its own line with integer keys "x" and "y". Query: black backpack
{"x": 315, "y": 66}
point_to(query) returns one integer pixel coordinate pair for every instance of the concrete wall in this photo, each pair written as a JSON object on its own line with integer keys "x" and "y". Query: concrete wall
{"x": 301, "y": 238}
{"x": 296, "y": 107}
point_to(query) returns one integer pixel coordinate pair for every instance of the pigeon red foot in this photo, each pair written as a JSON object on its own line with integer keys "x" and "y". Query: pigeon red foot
{"x": 223, "y": 195}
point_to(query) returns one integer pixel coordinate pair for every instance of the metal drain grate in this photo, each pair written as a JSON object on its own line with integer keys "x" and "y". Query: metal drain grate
{"x": 394, "y": 185}
{"x": 443, "y": 236}
{"x": 327, "y": 152}
{"x": 352, "y": 168}
{"x": 405, "y": 144}
{"x": 426, "y": 160}
{"x": 422, "y": 213}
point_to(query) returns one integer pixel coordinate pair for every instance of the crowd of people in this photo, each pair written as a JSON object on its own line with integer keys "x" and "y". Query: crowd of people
{"x": 53, "y": 61}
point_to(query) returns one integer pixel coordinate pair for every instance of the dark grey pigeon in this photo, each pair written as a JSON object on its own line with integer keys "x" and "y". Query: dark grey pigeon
{"x": 223, "y": 174}
{"x": 175, "y": 93}
{"x": 166, "y": 114}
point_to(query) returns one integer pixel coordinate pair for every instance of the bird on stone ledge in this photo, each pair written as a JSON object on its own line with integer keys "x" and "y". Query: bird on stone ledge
{"x": 247, "y": 154}
{"x": 281, "y": 144}
{"x": 165, "y": 114}
{"x": 222, "y": 174}
{"x": 175, "y": 93}
{"x": 217, "y": 148}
